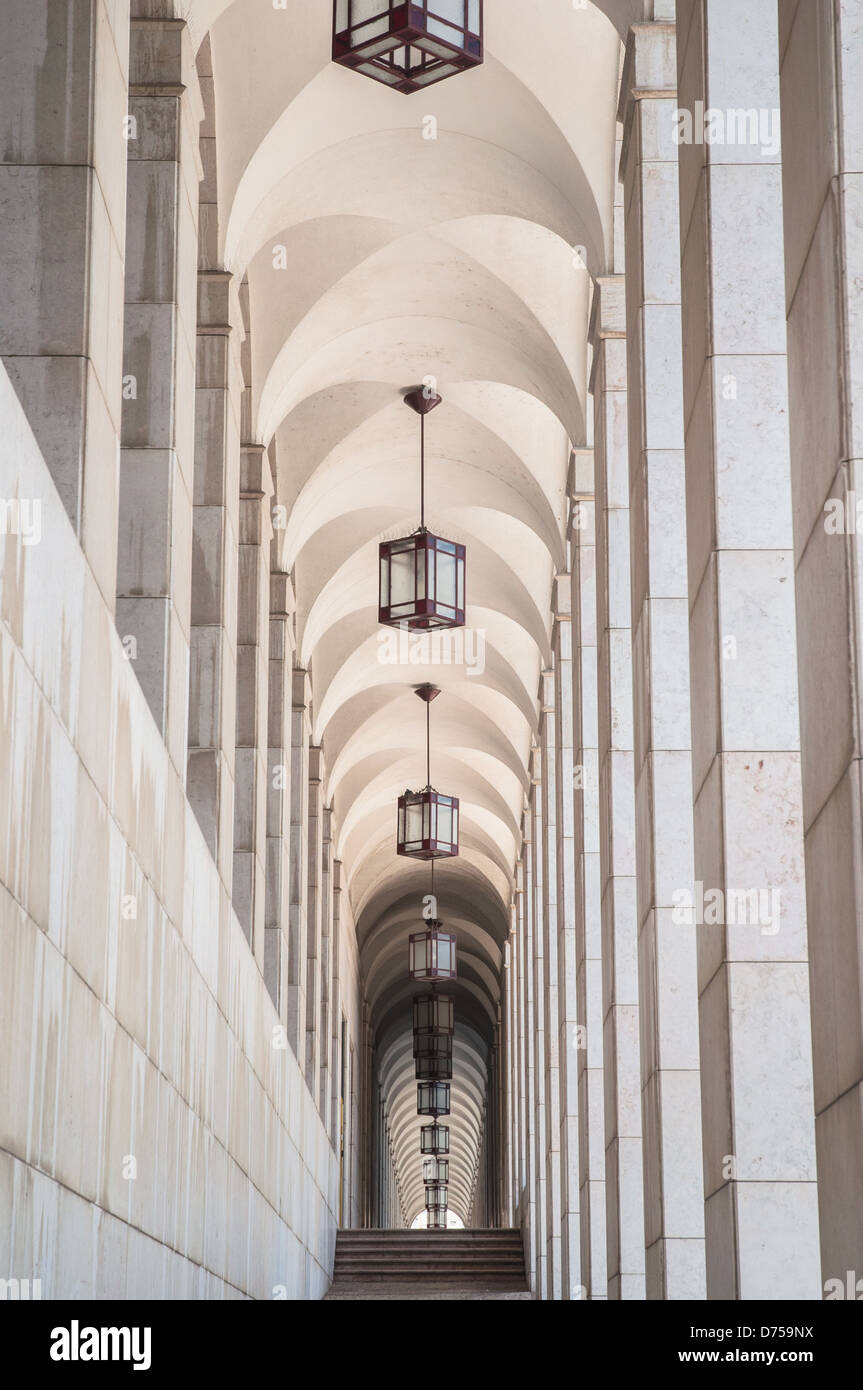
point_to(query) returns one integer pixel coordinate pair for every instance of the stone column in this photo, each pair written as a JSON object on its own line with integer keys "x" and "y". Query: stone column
{"x": 510, "y": 980}
{"x": 530, "y": 1210}
{"x": 520, "y": 1075}
{"x": 821, "y": 46}
{"x": 567, "y": 1009}
{"x": 279, "y": 695}
{"x": 761, "y": 1216}
{"x": 621, "y": 1051}
{"x": 549, "y": 911}
{"x": 336, "y": 1002}
{"x": 253, "y": 601}
{"x": 154, "y": 561}
{"x": 213, "y": 653}
{"x": 314, "y": 908}
{"x": 298, "y": 864}
{"x": 324, "y": 1040}
{"x": 668, "y": 981}
{"x": 540, "y": 1054}
{"x": 63, "y": 104}
{"x": 588, "y": 877}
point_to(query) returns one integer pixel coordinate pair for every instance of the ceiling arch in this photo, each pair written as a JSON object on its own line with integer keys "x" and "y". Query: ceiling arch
{"x": 376, "y": 259}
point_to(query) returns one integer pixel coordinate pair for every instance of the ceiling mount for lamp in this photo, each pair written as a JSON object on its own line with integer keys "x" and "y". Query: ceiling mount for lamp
{"x": 408, "y": 46}
{"x": 422, "y": 576}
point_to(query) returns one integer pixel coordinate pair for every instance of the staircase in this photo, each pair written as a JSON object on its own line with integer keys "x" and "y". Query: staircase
{"x": 429, "y": 1265}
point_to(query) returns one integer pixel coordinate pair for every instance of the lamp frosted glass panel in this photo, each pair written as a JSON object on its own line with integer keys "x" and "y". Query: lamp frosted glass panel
{"x": 435, "y": 75}
{"x": 367, "y": 33}
{"x": 421, "y": 954}
{"x": 402, "y": 566}
{"x": 446, "y": 31}
{"x": 473, "y": 16}
{"x": 453, "y": 10}
{"x": 454, "y": 825}
{"x": 367, "y": 9}
{"x": 421, "y": 572}
{"x": 445, "y": 954}
{"x": 382, "y": 46}
{"x": 444, "y": 823}
{"x": 413, "y": 821}
{"x": 435, "y": 49}
{"x": 446, "y": 579}
{"x": 341, "y": 16}
{"x": 380, "y": 74}
{"x": 460, "y": 587}
{"x": 427, "y": 807}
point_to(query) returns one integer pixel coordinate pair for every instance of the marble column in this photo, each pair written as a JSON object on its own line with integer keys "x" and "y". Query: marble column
{"x": 621, "y": 1050}
{"x": 154, "y": 559}
{"x": 63, "y": 103}
{"x": 253, "y": 601}
{"x": 314, "y": 915}
{"x": 324, "y": 1039}
{"x": 821, "y": 44}
{"x": 530, "y": 1209}
{"x": 215, "y": 555}
{"x": 540, "y": 1009}
{"x": 298, "y": 865}
{"x": 279, "y": 696}
{"x": 549, "y": 915}
{"x": 761, "y": 1214}
{"x": 336, "y": 1081}
{"x": 588, "y": 879}
{"x": 567, "y": 993}
{"x": 667, "y": 968}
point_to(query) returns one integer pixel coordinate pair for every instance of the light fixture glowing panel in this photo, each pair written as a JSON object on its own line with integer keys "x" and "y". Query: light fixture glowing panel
{"x": 433, "y": 1098}
{"x": 408, "y": 47}
{"x": 434, "y": 1013}
{"x": 434, "y": 1139}
{"x": 427, "y": 825}
{"x": 433, "y": 954}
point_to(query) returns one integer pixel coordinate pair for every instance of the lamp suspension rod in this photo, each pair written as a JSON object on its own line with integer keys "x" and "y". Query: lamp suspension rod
{"x": 428, "y": 744}
{"x": 422, "y": 472}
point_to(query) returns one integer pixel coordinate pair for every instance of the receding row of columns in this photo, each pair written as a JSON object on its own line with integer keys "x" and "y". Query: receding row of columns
{"x": 703, "y": 706}
{"x": 132, "y": 359}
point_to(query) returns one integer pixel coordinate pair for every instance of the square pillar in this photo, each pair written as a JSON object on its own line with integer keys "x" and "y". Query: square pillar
{"x": 821, "y": 47}
{"x": 215, "y": 555}
{"x": 621, "y": 1048}
{"x": 588, "y": 883}
{"x": 154, "y": 561}
{"x": 761, "y": 1213}
{"x": 64, "y": 73}
{"x": 667, "y": 965}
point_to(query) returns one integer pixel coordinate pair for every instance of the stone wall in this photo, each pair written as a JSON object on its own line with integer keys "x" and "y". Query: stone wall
{"x": 157, "y": 1141}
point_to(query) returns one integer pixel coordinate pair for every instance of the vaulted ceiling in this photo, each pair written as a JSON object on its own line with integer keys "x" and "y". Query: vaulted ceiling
{"x": 407, "y": 258}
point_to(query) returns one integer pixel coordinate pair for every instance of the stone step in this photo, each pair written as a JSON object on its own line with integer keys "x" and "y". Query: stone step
{"x": 429, "y": 1264}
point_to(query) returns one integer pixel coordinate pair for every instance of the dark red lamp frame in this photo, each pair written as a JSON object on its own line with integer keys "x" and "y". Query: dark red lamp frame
{"x": 408, "y": 47}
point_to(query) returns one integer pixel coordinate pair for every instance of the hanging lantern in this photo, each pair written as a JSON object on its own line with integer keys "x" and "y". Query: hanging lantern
{"x": 427, "y": 820}
{"x": 422, "y": 577}
{"x": 432, "y": 1044}
{"x": 408, "y": 47}
{"x": 434, "y": 1139}
{"x": 432, "y": 1067}
{"x": 428, "y": 825}
{"x": 433, "y": 954}
{"x": 436, "y": 1220}
{"x": 435, "y": 1170}
{"x": 437, "y": 1197}
{"x": 434, "y": 1013}
{"x": 433, "y": 1098}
